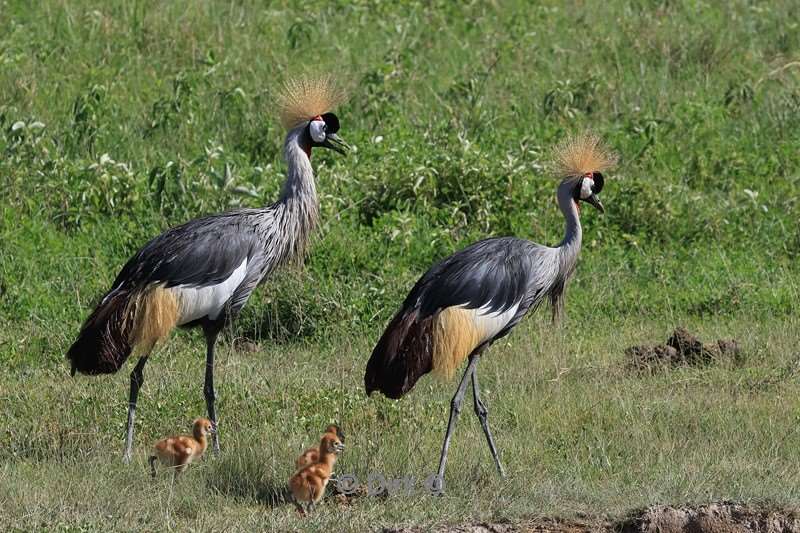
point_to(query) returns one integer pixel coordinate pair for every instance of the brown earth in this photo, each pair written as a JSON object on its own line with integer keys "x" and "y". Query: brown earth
{"x": 721, "y": 517}
{"x": 681, "y": 348}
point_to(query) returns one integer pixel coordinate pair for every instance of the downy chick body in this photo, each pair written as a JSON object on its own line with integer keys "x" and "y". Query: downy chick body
{"x": 311, "y": 455}
{"x": 177, "y": 452}
{"x": 308, "y": 484}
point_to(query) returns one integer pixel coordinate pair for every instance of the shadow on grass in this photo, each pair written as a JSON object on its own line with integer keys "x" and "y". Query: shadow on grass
{"x": 286, "y": 319}
{"x": 241, "y": 475}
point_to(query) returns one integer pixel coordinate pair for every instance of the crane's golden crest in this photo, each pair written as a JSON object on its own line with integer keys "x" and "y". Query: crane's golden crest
{"x": 581, "y": 154}
{"x": 303, "y": 98}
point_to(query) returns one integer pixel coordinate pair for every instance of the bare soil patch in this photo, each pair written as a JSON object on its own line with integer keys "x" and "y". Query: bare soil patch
{"x": 720, "y": 517}
{"x": 682, "y": 348}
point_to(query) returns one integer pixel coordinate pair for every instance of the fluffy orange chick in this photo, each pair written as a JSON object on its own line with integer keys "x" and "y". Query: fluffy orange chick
{"x": 311, "y": 455}
{"x": 178, "y": 452}
{"x": 308, "y": 484}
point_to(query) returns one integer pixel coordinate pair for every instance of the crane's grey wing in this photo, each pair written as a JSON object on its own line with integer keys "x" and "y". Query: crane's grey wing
{"x": 492, "y": 274}
{"x": 200, "y": 253}
{"x": 203, "y": 264}
{"x": 462, "y": 302}
{"x": 210, "y": 264}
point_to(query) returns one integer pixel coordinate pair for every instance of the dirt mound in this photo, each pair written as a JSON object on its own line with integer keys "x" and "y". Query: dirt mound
{"x": 537, "y": 526}
{"x": 722, "y": 517}
{"x": 681, "y": 348}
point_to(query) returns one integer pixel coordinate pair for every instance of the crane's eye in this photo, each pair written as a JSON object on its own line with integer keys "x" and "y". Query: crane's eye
{"x": 317, "y": 130}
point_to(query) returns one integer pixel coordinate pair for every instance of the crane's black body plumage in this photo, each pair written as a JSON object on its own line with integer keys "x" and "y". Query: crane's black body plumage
{"x": 491, "y": 273}
{"x": 494, "y": 275}
{"x": 200, "y": 253}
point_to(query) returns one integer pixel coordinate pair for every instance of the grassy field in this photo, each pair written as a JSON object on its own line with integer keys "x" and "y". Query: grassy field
{"x": 119, "y": 119}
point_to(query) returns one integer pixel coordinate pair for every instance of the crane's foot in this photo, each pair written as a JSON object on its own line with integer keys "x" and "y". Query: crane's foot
{"x": 435, "y": 485}
{"x": 152, "y": 460}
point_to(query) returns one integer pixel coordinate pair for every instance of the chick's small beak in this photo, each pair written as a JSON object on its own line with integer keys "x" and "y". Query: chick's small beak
{"x": 595, "y": 201}
{"x": 335, "y": 143}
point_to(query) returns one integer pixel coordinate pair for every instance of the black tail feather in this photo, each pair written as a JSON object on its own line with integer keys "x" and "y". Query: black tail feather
{"x": 103, "y": 344}
{"x": 403, "y": 355}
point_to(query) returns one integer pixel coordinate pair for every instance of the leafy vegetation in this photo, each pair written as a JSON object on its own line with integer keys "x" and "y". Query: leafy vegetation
{"x": 120, "y": 119}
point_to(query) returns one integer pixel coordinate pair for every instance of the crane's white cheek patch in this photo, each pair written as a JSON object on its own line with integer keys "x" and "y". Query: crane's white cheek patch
{"x": 317, "y": 130}
{"x": 586, "y": 188}
{"x": 199, "y": 302}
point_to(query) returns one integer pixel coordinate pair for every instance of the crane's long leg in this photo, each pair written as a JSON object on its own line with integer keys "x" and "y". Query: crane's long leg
{"x": 208, "y": 387}
{"x": 455, "y": 410}
{"x": 482, "y": 411}
{"x": 137, "y": 378}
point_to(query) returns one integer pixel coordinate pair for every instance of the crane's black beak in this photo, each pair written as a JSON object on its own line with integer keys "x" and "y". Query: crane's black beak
{"x": 595, "y": 201}
{"x": 335, "y": 143}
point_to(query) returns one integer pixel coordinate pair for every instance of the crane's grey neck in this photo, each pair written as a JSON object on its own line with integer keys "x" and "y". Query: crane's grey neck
{"x": 570, "y": 246}
{"x": 300, "y": 178}
{"x": 298, "y": 206}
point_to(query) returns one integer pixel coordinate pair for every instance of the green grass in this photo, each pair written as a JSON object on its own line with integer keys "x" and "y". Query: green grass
{"x": 120, "y": 119}
{"x": 578, "y": 432}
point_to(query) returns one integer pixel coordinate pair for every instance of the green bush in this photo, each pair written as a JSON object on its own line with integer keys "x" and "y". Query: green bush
{"x": 118, "y": 122}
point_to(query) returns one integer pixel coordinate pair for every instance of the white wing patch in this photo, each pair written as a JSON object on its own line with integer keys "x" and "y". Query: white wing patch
{"x": 490, "y": 323}
{"x": 458, "y": 331}
{"x": 198, "y": 302}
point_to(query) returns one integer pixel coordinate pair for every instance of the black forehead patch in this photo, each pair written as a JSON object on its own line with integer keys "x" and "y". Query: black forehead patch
{"x": 332, "y": 122}
{"x": 599, "y": 181}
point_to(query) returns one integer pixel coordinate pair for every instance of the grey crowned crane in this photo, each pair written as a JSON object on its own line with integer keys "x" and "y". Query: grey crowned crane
{"x": 467, "y": 301}
{"x": 201, "y": 273}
